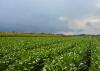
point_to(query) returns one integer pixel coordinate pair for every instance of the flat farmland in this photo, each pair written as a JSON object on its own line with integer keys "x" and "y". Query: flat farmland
{"x": 70, "y": 53}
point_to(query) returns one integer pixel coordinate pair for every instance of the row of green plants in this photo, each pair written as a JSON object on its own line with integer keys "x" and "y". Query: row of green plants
{"x": 95, "y": 56}
{"x": 49, "y": 54}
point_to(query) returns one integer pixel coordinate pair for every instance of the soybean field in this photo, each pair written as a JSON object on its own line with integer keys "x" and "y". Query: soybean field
{"x": 70, "y": 53}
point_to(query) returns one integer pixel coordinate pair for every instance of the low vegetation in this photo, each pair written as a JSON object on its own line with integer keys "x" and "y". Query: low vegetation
{"x": 75, "y": 53}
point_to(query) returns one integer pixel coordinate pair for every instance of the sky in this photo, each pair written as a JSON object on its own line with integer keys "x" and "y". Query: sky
{"x": 50, "y": 16}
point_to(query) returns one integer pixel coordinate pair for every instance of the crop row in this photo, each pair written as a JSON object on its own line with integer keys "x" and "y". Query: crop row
{"x": 49, "y": 54}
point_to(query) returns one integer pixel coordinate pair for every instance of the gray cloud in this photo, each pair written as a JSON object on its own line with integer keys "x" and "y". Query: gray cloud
{"x": 47, "y": 15}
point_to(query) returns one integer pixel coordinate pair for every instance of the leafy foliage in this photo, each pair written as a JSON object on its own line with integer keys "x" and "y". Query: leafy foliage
{"x": 50, "y": 53}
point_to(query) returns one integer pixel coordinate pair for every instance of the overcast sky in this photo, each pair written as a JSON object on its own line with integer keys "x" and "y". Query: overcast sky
{"x": 50, "y": 16}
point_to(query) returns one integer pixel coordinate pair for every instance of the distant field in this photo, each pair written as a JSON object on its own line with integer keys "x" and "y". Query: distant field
{"x": 28, "y": 35}
{"x": 75, "y": 53}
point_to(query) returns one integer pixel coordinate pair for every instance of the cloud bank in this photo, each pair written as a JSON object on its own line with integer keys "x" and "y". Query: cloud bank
{"x": 50, "y": 16}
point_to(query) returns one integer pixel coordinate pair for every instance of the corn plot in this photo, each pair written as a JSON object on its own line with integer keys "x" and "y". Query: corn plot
{"x": 50, "y": 54}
